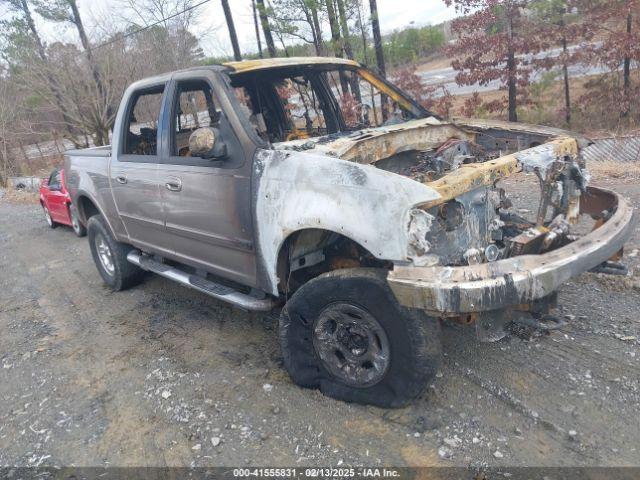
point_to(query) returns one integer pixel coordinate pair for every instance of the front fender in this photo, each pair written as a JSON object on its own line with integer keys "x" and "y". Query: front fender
{"x": 295, "y": 190}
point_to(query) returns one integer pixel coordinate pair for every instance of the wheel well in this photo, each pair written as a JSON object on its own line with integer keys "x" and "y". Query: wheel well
{"x": 86, "y": 208}
{"x": 307, "y": 253}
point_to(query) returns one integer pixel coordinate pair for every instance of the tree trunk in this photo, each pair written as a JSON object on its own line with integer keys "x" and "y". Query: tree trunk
{"x": 316, "y": 26}
{"x": 266, "y": 29}
{"x": 314, "y": 34}
{"x": 377, "y": 44}
{"x": 565, "y": 73}
{"x": 344, "y": 26}
{"x": 377, "y": 38}
{"x": 365, "y": 48}
{"x": 232, "y": 30}
{"x": 337, "y": 43}
{"x": 5, "y": 163}
{"x": 627, "y": 73}
{"x": 257, "y": 28}
{"x": 77, "y": 21}
{"x": 335, "y": 29}
{"x": 355, "y": 86}
{"x": 511, "y": 72}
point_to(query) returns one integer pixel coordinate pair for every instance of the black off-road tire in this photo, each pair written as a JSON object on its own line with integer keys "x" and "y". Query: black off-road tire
{"x": 413, "y": 338}
{"x": 124, "y": 274}
{"x": 78, "y": 228}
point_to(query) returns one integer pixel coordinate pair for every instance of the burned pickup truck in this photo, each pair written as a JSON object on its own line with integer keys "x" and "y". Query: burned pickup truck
{"x": 314, "y": 186}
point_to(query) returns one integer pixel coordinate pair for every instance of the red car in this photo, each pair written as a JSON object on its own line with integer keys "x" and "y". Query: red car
{"x": 56, "y": 203}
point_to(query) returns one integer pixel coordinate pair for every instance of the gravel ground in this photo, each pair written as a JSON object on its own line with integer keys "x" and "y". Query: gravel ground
{"x": 163, "y": 376}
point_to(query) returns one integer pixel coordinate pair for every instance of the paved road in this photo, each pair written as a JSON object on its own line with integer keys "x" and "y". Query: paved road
{"x": 160, "y": 375}
{"x": 446, "y": 76}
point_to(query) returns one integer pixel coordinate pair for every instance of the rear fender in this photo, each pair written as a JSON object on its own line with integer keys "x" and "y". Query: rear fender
{"x": 82, "y": 197}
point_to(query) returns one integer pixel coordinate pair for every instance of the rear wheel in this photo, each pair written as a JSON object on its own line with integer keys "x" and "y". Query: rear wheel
{"x": 47, "y": 217}
{"x": 344, "y": 333}
{"x": 110, "y": 256}
{"x": 78, "y": 228}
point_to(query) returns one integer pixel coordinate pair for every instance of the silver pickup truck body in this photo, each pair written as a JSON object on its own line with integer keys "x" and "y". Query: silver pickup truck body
{"x": 418, "y": 198}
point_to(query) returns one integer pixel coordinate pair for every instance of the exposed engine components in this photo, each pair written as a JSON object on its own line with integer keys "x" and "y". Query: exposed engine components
{"x": 491, "y": 253}
{"x": 529, "y": 241}
{"x": 482, "y": 225}
{"x": 451, "y": 215}
{"x": 473, "y": 256}
{"x": 433, "y": 164}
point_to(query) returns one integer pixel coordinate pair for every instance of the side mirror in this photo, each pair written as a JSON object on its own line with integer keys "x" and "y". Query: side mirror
{"x": 206, "y": 142}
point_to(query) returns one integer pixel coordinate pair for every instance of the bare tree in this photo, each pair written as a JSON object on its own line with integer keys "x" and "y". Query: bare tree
{"x": 22, "y": 7}
{"x": 167, "y": 38}
{"x": 66, "y": 11}
{"x": 89, "y": 80}
{"x": 170, "y": 14}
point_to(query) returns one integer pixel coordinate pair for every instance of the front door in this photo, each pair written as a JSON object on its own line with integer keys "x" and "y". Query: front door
{"x": 134, "y": 172}
{"x": 207, "y": 201}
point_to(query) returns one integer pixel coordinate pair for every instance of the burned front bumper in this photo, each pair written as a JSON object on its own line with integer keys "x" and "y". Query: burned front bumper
{"x": 518, "y": 280}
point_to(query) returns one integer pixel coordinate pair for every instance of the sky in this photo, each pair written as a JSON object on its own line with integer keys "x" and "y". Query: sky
{"x": 393, "y": 14}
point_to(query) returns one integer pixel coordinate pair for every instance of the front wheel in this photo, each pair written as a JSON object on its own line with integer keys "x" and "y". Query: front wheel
{"x": 110, "y": 256}
{"x": 344, "y": 333}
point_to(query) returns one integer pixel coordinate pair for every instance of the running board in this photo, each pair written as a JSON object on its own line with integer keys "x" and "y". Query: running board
{"x": 215, "y": 290}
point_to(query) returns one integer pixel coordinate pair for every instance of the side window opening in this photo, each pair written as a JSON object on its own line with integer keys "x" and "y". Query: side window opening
{"x": 194, "y": 108}
{"x": 55, "y": 180}
{"x": 142, "y": 124}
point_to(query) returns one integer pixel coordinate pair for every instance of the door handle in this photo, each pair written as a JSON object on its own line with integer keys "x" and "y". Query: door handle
{"x": 121, "y": 179}
{"x": 173, "y": 184}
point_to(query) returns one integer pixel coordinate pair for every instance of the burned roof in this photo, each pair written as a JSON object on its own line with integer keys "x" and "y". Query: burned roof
{"x": 278, "y": 63}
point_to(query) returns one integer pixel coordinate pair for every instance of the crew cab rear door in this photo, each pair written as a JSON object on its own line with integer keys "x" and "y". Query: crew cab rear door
{"x": 134, "y": 170}
{"x": 207, "y": 202}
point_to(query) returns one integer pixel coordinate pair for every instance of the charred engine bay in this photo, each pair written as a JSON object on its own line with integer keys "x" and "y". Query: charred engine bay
{"x": 483, "y": 224}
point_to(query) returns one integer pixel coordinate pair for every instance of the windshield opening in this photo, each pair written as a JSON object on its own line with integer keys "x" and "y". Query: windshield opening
{"x": 291, "y": 105}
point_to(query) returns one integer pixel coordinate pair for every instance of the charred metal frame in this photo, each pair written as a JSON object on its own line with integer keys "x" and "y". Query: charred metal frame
{"x": 518, "y": 280}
